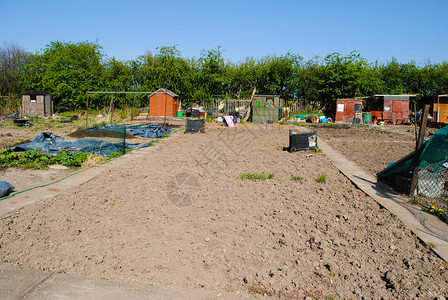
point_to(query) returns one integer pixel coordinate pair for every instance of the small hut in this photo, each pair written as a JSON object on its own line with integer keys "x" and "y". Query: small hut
{"x": 347, "y": 111}
{"x": 440, "y": 113}
{"x": 37, "y": 104}
{"x": 266, "y": 109}
{"x": 392, "y": 109}
{"x": 163, "y": 102}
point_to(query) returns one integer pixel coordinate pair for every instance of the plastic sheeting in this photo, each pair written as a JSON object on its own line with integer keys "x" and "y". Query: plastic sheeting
{"x": 147, "y": 131}
{"x": 5, "y": 188}
{"x": 50, "y": 143}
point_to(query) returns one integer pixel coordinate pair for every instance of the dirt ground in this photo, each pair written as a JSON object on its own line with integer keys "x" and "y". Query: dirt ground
{"x": 11, "y": 135}
{"x": 182, "y": 216}
{"x": 371, "y": 147}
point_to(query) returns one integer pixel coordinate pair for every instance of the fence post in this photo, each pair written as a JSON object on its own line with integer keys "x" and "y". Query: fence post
{"x": 418, "y": 151}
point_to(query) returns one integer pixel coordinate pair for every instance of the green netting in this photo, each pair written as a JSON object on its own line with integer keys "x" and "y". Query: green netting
{"x": 436, "y": 151}
{"x": 433, "y": 168}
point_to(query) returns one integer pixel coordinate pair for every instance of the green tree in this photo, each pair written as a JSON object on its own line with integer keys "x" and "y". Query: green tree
{"x": 12, "y": 60}
{"x": 67, "y": 70}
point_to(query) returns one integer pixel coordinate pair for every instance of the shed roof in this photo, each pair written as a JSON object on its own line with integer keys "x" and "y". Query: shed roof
{"x": 36, "y": 93}
{"x": 172, "y": 94}
{"x": 396, "y": 97}
{"x": 443, "y": 96}
{"x": 350, "y": 99}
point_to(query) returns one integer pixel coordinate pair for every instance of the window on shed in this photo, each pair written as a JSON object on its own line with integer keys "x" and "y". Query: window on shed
{"x": 387, "y": 107}
{"x": 340, "y": 107}
{"x": 357, "y": 107}
{"x": 33, "y": 98}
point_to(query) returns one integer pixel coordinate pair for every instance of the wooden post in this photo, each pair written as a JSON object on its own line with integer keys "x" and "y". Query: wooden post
{"x": 418, "y": 151}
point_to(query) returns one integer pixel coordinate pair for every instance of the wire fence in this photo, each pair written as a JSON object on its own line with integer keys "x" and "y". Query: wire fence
{"x": 220, "y": 107}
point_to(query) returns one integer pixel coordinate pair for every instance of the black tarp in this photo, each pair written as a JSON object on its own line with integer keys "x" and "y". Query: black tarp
{"x": 147, "y": 131}
{"x": 50, "y": 143}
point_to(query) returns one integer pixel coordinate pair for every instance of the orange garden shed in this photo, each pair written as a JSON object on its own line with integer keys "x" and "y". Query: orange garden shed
{"x": 441, "y": 109}
{"x": 163, "y": 102}
{"x": 347, "y": 111}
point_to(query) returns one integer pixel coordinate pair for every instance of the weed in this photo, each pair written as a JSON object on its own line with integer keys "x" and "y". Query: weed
{"x": 415, "y": 201}
{"x": 322, "y": 178}
{"x": 256, "y": 176}
{"x": 297, "y": 178}
{"x": 317, "y": 150}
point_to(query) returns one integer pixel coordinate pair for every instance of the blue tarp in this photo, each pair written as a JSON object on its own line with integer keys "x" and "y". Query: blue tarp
{"x": 147, "y": 131}
{"x": 5, "y": 188}
{"x": 50, "y": 143}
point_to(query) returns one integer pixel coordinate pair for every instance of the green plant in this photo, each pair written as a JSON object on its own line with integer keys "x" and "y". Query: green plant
{"x": 317, "y": 150}
{"x": 297, "y": 178}
{"x": 415, "y": 201}
{"x": 114, "y": 154}
{"x": 256, "y": 176}
{"x": 322, "y": 178}
{"x": 439, "y": 212}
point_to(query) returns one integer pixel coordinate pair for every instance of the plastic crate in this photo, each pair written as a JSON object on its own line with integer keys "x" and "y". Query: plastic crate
{"x": 302, "y": 141}
{"x": 195, "y": 126}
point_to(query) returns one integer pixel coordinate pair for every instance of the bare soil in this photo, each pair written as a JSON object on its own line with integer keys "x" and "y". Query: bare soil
{"x": 182, "y": 216}
{"x": 371, "y": 147}
{"x": 12, "y": 135}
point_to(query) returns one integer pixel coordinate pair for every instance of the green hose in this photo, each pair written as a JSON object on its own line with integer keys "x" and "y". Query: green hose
{"x": 43, "y": 185}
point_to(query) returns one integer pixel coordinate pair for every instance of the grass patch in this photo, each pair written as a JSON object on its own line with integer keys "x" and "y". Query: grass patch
{"x": 256, "y": 176}
{"x": 297, "y": 178}
{"x": 322, "y": 178}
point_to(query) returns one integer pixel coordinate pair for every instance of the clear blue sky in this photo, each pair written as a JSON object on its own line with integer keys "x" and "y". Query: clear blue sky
{"x": 378, "y": 29}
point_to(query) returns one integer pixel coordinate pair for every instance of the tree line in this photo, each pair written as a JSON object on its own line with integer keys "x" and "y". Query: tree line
{"x": 68, "y": 70}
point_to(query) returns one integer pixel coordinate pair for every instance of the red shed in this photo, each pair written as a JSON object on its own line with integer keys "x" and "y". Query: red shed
{"x": 347, "y": 111}
{"x": 163, "y": 102}
{"x": 395, "y": 109}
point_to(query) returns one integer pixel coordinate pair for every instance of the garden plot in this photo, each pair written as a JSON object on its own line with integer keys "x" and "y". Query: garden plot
{"x": 370, "y": 147}
{"x": 185, "y": 216}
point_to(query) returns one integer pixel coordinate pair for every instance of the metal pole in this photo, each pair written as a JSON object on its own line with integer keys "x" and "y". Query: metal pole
{"x": 87, "y": 110}
{"x": 164, "y": 121}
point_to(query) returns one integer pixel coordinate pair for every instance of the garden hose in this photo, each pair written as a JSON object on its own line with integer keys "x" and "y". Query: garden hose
{"x": 44, "y": 185}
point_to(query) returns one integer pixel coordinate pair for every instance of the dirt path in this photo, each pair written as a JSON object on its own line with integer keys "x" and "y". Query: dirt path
{"x": 182, "y": 217}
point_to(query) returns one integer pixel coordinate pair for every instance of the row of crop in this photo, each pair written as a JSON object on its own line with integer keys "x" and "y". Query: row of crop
{"x": 35, "y": 159}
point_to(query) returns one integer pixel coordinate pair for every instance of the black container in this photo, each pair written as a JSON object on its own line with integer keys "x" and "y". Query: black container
{"x": 302, "y": 141}
{"x": 195, "y": 126}
{"x": 188, "y": 112}
{"x": 195, "y": 113}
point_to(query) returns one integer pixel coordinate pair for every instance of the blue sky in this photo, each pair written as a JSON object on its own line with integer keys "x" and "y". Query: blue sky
{"x": 378, "y": 29}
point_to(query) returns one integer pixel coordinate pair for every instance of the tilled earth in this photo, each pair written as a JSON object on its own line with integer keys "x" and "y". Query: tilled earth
{"x": 182, "y": 216}
{"x": 370, "y": 147}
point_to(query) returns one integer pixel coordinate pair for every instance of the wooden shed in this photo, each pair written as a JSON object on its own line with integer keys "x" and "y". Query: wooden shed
{"x": 347, "y": 111}
{"x": 266, "y": 109}
{"x": 440, "y": 114}
{"x": 37, "y": 104}
{"x": 163, "y": 102}
{"x": 392, "y": 109}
